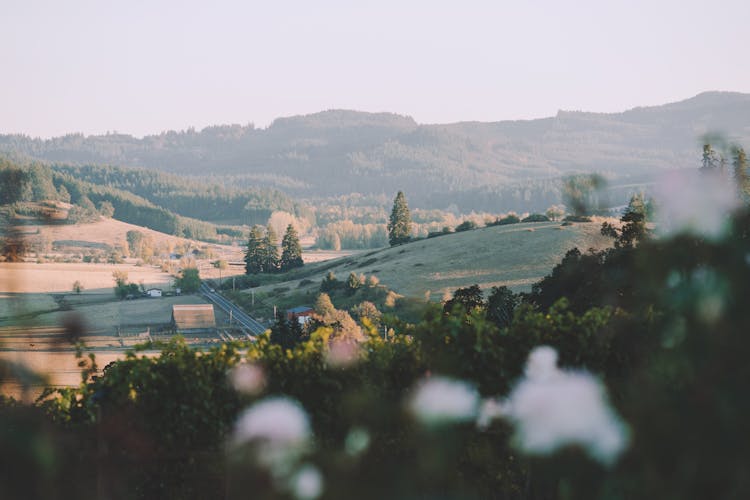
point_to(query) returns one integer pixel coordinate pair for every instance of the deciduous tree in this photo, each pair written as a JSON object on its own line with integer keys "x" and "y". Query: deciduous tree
{"x": 189, "y": 280}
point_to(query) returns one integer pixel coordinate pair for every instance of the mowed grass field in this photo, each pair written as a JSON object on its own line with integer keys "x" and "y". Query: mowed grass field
{"x": 515, "y": 256}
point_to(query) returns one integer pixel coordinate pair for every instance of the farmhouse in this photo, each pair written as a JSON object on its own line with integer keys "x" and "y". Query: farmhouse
{"x": 193, "y": 318}
{"x": 302, "y": 314}
{"x": 154, "y": 292}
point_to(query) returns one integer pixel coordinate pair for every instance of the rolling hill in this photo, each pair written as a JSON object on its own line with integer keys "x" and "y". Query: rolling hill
{"x": 507, "y": 165}
{"x": 515, "y": 256}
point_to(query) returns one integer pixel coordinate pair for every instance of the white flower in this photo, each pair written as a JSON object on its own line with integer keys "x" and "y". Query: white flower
{"x": 551, "y": 408}
{"x": 542, "y": 364}
{"x": 696, "y": 204}
{"x": 247, "y": 378}
{"x": 278, "y": 427}
{"x": 307, "y": 483}
{"x": 441, "y": 399}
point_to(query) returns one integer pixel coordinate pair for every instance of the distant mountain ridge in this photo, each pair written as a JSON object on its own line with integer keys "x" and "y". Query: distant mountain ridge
{"x": 340, "y": 151}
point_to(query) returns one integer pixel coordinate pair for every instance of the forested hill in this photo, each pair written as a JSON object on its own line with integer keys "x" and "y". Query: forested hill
{"x": 337, "y": 152}
{"x": 205, "y": 201}
{"x": 159, "y": 201}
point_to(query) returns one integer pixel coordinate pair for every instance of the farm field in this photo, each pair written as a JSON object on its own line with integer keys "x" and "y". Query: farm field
{"x": 28, "y": 277}
{"x": 108, "y": 327}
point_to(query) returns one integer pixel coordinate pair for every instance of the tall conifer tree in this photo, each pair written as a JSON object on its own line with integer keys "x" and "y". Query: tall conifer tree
{"x": 254, "y": 253}
{"x": 291, "y": 250}
{"x": 399, "y": 224}
{"x": 270, "y": 251}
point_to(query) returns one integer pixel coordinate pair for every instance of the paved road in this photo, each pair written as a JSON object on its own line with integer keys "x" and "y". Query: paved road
{"x": 238, "y": 314}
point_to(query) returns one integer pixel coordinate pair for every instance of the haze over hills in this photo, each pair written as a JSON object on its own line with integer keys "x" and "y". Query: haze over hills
{"x": 470, "y": 163}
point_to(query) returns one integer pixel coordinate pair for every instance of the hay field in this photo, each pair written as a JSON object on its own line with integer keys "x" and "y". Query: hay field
{"x": 27, "y": 277}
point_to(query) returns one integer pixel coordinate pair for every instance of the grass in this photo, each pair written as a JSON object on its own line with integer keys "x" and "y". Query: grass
{"x": 515, "y": 256}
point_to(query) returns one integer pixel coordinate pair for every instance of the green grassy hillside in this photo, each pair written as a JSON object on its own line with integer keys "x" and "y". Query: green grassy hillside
{"x": 515, "y": 256}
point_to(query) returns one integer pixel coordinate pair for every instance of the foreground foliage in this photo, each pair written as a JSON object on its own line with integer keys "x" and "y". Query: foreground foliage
{"x": 662, "y": 322}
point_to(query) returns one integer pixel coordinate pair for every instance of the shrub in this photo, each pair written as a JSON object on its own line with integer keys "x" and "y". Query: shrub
{"x": 536, "y": 218}
{"x": 509, "y": 219}
{"x": 466, "y": 225}
{"x": 577, "y": 218}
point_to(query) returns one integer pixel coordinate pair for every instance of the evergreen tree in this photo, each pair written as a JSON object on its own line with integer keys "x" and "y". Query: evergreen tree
{"x": 633, "y": 229}
{"x": 291, "y": 250}
{"x": 399, "y": 224}
{"x": 270, "y": 250}
{"x": 254, "y": 253}
{"x": 710, "y": 160}
{"x": 286, "y": 333}
{"x": 741, "y": 177}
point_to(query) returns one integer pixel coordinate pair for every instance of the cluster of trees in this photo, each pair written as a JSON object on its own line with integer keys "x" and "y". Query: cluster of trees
{"x": 40, "y": 182}
{"x": 139, "y": 244}
{"x": 262, "y": 254}
{"x": 123, "y": 289}
{"x": 208, "y": 201}
{"x": 715, "y": 162}
{"x": 349, "y": 235}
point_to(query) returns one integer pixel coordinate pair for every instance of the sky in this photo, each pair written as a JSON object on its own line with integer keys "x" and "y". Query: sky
{"x": 143, "y": 67}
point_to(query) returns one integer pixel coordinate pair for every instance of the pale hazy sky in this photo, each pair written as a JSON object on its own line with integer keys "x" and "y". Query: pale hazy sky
{"x": 142, "y": 67}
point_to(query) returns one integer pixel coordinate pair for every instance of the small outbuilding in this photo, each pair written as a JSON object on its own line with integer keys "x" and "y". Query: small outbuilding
{"x": 193, "y": 318}
{"x": 302, "y": 314}
{"x": 154, "y": 292}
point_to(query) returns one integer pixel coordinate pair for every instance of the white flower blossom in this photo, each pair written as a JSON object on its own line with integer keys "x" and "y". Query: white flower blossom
{"x": 307, "y": 483}
{"x": 551, "y": 408}
{"x": 695, "y": 204}
{"x": 441, "y": 400}
{"x": 279, "y": 429}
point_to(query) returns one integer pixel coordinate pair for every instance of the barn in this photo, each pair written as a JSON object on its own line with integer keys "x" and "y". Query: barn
{"x": 193, "y": 318}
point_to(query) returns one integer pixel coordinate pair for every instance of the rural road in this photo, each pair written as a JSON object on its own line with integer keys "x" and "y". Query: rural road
{"x": 238, "y": 314}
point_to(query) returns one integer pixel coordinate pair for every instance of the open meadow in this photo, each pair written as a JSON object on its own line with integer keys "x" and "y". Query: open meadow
{"x": 515, "y": 256}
